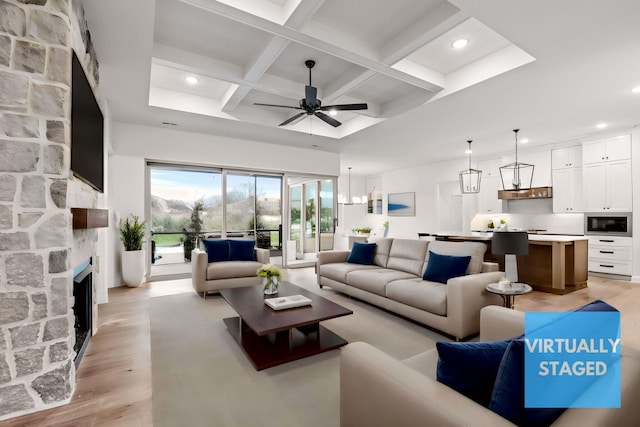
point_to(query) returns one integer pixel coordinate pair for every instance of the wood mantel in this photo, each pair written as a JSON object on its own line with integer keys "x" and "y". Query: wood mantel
{"x": 89, "y": 218}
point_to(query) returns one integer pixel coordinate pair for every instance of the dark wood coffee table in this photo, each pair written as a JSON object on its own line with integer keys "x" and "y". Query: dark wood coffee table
{"x": 271, "y": 337}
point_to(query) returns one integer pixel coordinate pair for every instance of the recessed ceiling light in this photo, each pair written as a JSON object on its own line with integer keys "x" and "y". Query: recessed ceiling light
{"x": 524, "y": 141}
{"x": 601, "y": 125}
{"x": 191, "y": 80}
{"x": 636, "y": 89}
{"x": 332, "y": 112}
{"x": 460, "y": 43}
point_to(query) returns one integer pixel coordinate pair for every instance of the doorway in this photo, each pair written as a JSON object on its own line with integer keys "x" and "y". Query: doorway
{"x": 311, "y": 220}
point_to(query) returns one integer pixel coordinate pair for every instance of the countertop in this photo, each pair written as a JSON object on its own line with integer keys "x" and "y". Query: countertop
{"x": 485, "y": 236}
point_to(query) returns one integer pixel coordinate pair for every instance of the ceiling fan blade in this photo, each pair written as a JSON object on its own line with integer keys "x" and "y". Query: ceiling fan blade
{"x": 274, "y": 105}
{"x": 344, "y": 107}
{"x": 322, "y": 116}
{"x": 292, "y": 119}
{"x": 310, "y": 95}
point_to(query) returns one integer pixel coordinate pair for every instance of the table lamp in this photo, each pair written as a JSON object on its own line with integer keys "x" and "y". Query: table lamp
{"x": 510, "y": 244}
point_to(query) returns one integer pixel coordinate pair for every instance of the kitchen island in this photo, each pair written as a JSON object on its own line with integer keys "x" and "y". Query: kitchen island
{"x": 555, "y": 263}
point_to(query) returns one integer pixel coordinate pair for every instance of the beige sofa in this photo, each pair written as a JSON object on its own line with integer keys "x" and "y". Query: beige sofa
{"x": 209, "y": 277}
{"x": 379, "y": 390}
{"x": 394, "y": 282}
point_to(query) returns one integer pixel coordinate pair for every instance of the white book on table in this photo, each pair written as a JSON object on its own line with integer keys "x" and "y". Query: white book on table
{"x": 280, "y": 303}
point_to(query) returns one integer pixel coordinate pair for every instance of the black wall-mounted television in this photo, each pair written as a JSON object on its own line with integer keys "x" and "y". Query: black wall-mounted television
{"x": 87, "y": 130}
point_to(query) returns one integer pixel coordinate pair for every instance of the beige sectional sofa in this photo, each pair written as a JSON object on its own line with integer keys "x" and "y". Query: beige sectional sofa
{"x": 394, "y": 282}
{"x": 379, "y": 390}
{"x": 212, "y": 276}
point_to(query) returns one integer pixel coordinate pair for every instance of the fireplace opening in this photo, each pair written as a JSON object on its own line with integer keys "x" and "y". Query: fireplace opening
{"x": 82, "y": 310}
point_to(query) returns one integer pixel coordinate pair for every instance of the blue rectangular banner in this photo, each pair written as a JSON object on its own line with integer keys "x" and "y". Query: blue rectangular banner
{"x": 572, "y": 360}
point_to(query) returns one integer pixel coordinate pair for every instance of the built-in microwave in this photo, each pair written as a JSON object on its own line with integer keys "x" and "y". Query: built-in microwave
{"x": 608, "y": 224}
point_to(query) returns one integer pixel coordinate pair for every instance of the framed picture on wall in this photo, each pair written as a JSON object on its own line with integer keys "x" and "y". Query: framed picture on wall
{"x": 401, "y": 204}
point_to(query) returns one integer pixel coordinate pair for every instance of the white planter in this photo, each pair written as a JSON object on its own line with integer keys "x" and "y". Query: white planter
{"x": 133, "y": 268}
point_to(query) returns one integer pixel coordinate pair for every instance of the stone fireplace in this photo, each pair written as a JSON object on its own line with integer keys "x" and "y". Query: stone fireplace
{"x": 37, "y": 243}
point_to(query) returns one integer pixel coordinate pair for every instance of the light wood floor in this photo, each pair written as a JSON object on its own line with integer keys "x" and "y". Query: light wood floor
{"x": 113, "y": 385}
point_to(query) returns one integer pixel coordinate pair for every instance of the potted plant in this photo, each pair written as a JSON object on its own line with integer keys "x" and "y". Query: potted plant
{"x": 363, "y": 231}
{"x": 193, "y": 230}
{"x": 132, "y": 236}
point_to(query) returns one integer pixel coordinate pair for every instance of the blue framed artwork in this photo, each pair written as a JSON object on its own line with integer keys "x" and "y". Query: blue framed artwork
{"x": 401, "y": 204}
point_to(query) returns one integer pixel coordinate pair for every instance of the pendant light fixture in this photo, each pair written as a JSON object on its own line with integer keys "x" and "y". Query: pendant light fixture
{"x": 470, "y": 178}
{"x": 354, "y": 200}
{"x": 517, "y": 175}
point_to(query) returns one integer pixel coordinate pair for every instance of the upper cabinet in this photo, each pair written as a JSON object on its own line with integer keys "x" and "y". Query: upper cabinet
{"x": 488, "y": 201}
{"x": 602, "y": 150}
{"x": 567, "y": 179}
{"x": 569, "y": 157}
{"x": 607, "y": 174}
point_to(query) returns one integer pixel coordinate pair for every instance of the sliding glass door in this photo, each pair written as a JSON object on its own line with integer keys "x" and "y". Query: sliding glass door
{"x": 187, "y": 204}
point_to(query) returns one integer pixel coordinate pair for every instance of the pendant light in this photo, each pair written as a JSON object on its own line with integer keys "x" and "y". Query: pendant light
{"x": 517, "y": 175}
{"x": 354, "y": 200}
{"x": 470, "y": 178}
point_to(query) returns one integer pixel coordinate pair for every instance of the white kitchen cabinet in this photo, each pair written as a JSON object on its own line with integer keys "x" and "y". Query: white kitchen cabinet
{"x": 568, "y": 157}
{"x": 567, "y": 190}
{"x": 488, "y": 201}
{"x": 619, "y": 186}
{"x": 611, "y": 255}
{"x": 608, "y": 186}
{"x": 609, "y": 149}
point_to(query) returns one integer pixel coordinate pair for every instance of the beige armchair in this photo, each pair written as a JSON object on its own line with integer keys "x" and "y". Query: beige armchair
{"x": 209, "y": 277}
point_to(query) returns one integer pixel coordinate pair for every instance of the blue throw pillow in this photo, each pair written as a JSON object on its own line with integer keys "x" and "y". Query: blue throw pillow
{"x": 596, "y": 305}
{"x": 441, "y": 268}
{"x": 507, "y": 399}
{"x": 470, "y": 368}
{"x": 362, "y": 253}
{"x": 217, "y": 249}
{"x": 242, "y": 250}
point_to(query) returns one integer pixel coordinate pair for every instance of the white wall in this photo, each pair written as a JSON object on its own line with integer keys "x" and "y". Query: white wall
{"x": 133, "y": 145}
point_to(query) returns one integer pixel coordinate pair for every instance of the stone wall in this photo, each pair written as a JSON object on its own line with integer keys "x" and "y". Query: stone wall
{"x": 36, "y": 320}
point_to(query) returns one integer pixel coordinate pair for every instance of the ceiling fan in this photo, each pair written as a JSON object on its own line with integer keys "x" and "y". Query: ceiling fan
{"x": 311, "y": 105}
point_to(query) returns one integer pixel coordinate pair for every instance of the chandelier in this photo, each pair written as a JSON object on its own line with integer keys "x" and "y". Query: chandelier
{"x": 470, "y": 178}
{"x": 517, "y": 175}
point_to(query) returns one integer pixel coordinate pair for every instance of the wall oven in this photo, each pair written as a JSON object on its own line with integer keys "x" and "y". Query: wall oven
{"x": 607, "y": 224}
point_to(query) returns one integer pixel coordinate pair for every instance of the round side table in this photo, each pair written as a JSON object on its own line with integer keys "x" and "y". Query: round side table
{"x": 508, "y": 292}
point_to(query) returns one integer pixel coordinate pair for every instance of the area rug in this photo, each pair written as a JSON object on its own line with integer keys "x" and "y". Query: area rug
{"x": 201, "y": 377}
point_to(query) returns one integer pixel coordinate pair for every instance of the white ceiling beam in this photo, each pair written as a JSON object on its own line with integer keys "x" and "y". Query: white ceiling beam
{"x": 345, "y": 84}
{"x": 429, "y": 27}
{"x": 307, "y": 40}
{"x": 258, "y": 66}
{"x": 303, "y": 11}
{"x": 206, "y": 66}
{"x": 406, "y": 103}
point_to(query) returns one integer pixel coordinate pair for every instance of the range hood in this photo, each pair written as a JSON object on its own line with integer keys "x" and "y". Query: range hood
{"x": 529, "y": 193}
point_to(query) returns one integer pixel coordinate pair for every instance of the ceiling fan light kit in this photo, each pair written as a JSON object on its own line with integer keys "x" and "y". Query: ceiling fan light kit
{"x": 470, "y": 178}
{"x": 516, "y": 175}
{"x": 312, "y": 106}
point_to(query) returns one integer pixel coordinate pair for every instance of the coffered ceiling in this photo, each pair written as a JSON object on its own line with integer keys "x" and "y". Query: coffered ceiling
{"x": 546, "y": 67}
